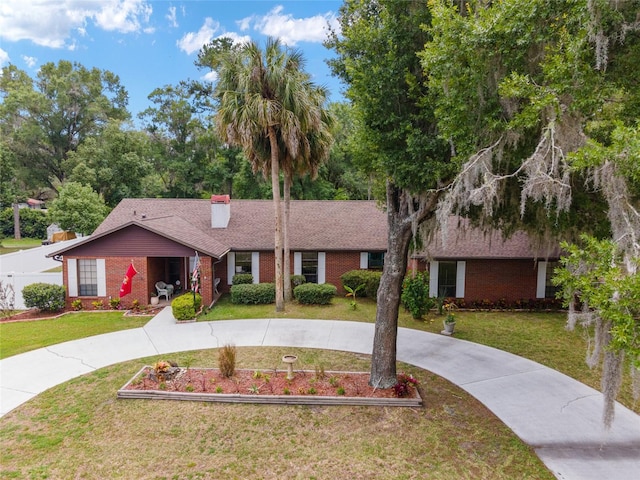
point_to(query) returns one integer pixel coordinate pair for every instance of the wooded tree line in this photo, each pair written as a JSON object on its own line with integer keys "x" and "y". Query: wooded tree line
{"x": 71, "y": 124}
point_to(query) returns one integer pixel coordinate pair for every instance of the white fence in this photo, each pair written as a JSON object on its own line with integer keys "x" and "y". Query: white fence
{"x": 19, "y": 280}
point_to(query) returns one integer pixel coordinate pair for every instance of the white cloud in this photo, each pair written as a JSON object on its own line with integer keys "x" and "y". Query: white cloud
{"x": 193, "y": 41}
{"x": 171, "y": 16}
{"x": 292, "y": 30}
{"x": 4, "y": 58}
{"x": 210, "y": 77}
{"x": 30, "y": 61}
{"x": 235, "y": 38}
{"x": 123, "y": 15}
{"x": 53, "y": 23}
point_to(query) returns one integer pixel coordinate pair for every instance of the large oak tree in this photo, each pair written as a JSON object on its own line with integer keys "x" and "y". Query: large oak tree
{"x": 544, "y": 96}
{"x": 42, "y": 120}
{"x": 377, "y": 59}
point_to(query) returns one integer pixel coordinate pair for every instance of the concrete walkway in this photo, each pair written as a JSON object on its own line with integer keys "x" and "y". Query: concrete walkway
{"x": 558, "y": 416}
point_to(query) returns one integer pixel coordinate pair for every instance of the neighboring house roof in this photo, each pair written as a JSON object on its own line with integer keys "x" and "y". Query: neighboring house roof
{"x": 315, "y": 225}
{"x": 463, "y": 241}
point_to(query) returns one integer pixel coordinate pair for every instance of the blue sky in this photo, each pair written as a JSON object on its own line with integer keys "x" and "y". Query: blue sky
{"x": 149, "y": 43}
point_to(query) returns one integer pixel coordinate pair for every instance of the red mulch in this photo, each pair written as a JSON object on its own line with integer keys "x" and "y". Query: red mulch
{"x": 264, "y": 382}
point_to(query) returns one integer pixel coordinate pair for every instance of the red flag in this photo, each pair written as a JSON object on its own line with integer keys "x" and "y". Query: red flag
{"x": 125, "y": 289}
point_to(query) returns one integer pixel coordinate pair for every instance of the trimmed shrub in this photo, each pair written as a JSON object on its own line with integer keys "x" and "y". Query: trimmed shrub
{"x": 297, "y": 280}
{"x": 369, "y": 278}
{"x": 372, "y": 284}
{"x": 314, "y": 294}
{"x": 44, "y": 296}
{"x": 254, "y": 293}
{"x": 184, "y": 307}
{"x": 415, "y": 295}
{"x": 242, "y": 279}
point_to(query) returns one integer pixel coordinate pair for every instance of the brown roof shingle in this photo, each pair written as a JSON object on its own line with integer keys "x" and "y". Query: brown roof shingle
{"x": 463, "y": 241}
{"x": 314, "y": 224}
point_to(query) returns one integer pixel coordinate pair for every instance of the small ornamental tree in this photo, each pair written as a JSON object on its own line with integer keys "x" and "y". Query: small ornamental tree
{"x": 7, "y": 299}
{"x": 78, "y": 208}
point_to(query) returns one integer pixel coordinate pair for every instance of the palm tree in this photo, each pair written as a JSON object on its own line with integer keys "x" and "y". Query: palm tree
{"x": 319, "y": 141}
{"x": 267, "y": 105}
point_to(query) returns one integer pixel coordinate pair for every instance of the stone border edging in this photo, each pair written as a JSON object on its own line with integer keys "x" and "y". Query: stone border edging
{"x": 125, "y": 394}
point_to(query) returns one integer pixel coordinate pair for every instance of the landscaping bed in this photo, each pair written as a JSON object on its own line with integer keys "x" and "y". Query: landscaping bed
{"x": 265, "y": 387}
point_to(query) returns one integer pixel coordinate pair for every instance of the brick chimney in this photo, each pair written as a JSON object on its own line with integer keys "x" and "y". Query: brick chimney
{"x": 220, "y": 211}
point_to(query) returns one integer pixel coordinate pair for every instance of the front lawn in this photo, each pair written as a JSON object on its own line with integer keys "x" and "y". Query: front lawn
{"x": 20, "y": 337}
{"x": 79, "y": 430}
{"x": 538, "y": 336}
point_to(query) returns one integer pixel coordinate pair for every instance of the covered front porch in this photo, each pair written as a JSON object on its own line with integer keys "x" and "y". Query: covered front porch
{"x": 177, "y": 271}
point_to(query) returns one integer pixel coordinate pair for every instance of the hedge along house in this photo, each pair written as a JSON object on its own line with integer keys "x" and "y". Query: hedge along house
{"x": 161, "y": 238}
{"x": 486, "y": 267}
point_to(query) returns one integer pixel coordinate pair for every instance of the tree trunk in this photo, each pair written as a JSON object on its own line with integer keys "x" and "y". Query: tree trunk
{"x": 400, "y": 218}
{"x": 288, "y": 294}
{"x": 275, "y": 186}
{"x": 16, "y": 222}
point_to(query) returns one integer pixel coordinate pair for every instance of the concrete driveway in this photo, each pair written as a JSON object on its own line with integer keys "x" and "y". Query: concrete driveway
{"x": 558, "y": 416}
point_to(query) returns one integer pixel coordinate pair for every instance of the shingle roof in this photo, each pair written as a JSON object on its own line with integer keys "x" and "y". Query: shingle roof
{"x": 463, "y": 242}
{"x": 314, "y": 224}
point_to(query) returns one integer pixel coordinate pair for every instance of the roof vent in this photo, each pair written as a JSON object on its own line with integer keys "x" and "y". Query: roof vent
{"x": 220, "y": 211}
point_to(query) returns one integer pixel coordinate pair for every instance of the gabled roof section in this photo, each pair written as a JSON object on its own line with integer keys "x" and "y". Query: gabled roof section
{"x": 315, "y": 225}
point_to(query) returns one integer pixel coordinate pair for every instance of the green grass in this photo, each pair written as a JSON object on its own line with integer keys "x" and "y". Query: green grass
{"x": 20, "y": 337}
{"x": 538, "y": 336}
{"x": 79, "y": 430}
{"x": 10, "y": 245}
{"x": 78, "y": 424}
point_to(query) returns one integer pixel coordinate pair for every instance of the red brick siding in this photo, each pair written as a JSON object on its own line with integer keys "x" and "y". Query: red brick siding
{"x": 336, "y": 263}
{"x": 149, "y": 272}
{"x": 497, "y": 279}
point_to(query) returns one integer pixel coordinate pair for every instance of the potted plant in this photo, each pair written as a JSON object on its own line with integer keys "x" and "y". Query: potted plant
{"x": 154, "y": 299}
{"x": 450, "y": 319}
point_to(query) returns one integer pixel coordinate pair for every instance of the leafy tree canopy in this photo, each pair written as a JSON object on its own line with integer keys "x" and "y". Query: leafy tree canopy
{"x": 46, "y": 118}
{"x": 78, "y": 208}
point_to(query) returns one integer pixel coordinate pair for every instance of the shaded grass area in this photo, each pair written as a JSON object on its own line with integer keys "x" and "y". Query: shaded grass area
{"x": 20, "y": 337}
{"x": 80, "y": 430}
{"x": 10, "y": 245}
{"x": 538, "y": 336}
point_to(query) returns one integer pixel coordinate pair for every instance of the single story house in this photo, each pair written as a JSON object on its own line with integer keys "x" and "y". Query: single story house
{"x": 161, "y": 237}
{"x": 327, "y": 238}
{"x": 477, "y": 266}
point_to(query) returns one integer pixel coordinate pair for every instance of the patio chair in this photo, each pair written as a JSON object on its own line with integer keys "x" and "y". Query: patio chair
{"x": 164, "y": 289}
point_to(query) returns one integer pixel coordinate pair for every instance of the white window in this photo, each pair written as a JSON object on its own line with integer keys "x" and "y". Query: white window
{"x": 311, "y": 265}
{"x": 544, "y": 287}
{"x": 447, "y": 279}
{"x": 87, "y": 277}
{"x": 371, "y": 260}
{"x": 243, "y": 262}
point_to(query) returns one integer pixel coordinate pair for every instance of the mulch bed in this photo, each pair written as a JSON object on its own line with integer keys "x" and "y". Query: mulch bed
{"x": 265, "y": 386}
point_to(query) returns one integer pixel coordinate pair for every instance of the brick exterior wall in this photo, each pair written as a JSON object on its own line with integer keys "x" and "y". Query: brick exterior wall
{"x": 115, "y": 269}
{"x": 336, "y": 263}
{"x": 497, "y": 279}
{"x": 149, "y": 272}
